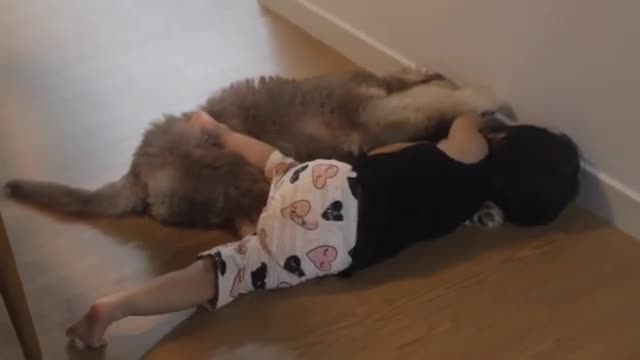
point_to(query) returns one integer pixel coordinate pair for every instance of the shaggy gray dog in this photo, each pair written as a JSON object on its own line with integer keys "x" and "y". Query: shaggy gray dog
{"x": 180, "y": 176}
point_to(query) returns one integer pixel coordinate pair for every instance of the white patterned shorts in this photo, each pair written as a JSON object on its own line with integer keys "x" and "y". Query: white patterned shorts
{"x": 306, "y": 230}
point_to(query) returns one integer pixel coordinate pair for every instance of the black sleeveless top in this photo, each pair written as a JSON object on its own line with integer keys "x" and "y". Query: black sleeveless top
{"x": 417, "y": 193}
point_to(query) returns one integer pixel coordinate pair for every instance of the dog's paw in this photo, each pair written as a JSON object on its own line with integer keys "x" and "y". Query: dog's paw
{"x": 479, "y": 100}
{"x": 414, "y": 73}
{"x": 489, "y": 217}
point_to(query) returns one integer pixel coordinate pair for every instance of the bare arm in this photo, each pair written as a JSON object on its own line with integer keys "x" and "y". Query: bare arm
{"x": 465, "y": 142}
{"x": 254, "y": 151}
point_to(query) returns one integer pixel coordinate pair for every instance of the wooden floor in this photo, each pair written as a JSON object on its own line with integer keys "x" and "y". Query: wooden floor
{"x": 80, "y": 80}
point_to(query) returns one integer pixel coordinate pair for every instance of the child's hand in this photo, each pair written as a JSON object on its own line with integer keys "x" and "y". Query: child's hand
{"x": 204, "y": 121}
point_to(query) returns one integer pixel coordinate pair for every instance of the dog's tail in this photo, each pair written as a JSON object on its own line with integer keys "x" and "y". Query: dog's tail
{"x": 117, "y": 198}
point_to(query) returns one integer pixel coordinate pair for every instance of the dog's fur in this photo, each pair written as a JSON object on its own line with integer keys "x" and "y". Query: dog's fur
{"x": 181, "y": 176}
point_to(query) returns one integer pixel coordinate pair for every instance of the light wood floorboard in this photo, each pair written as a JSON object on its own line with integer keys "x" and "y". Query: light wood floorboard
{"x": 80, "y": 80}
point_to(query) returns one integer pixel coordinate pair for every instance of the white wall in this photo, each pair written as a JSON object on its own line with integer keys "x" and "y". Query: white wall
{"x": 570, "y": 64}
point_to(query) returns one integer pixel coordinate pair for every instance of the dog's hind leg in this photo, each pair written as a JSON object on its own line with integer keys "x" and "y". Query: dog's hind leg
{"x": 207, "y": 190}
{"x": 408, "y": 77}
{"x": 370, "y": 84}
{"x": 418, "y": 111}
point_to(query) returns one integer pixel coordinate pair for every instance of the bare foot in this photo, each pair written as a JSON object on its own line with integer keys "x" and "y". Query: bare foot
{"x": 91, "y": 328}
{"x": 203, "y": 120}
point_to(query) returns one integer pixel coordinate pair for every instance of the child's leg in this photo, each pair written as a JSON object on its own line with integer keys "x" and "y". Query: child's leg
{"x": 254, "y": 151}
{"x": 171, "y": 292}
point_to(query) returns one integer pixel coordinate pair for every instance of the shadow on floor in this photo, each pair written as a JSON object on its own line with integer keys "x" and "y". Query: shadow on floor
{"x": 417, "y": 263}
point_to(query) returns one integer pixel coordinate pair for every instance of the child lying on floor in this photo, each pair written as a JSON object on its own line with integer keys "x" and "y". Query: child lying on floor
{"x": 326, "y": 217}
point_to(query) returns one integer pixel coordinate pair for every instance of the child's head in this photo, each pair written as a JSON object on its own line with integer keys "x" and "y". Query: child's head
{"x": 536, "y": 173}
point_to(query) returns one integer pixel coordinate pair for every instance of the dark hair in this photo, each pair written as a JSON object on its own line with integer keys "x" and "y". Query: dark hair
{"x": 536, "y": 174}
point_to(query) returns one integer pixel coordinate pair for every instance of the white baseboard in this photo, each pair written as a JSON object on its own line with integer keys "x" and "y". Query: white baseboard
{"x": 601, "y": 193}
{"x": 347, "y": 40}
{"x": 610, "y": 199}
